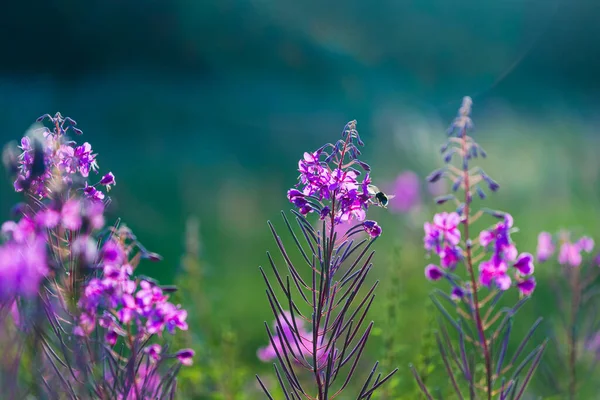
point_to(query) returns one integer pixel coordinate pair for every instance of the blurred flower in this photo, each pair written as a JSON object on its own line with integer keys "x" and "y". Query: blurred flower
{"x": 185, "y": 356}
{"x": 300, "y": 341}
{"x": 570, "y": 253}
{"x": 23, "y": 266}
{"x": 457, "y": 293}
{"x": 406, "y": 192}
{"x": 153, "y": 351}
{"x": 433, "y": 272}
{"x": 269, "y": 352}
{"x": 545, "y": 246}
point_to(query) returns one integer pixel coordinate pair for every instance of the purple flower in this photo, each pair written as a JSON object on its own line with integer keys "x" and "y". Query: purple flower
{"x": 586, "y": 244}
{"x": 527, "y": 286}
{"x": 406, "y": 192}
{"x": 112, "y": 252}
{"x": 92, "y": 193}
{"x": 504, "y": 254}
{"x": 432, "y": 237}
{"x": 108, "y": 180}
{"x": 50, "y": 158}
{"x": 185, "y": 356}
{"x": 524, "y": 264}
{"x": 93, "y": 213}
{"x": 71, "y": 214}
{"x": 486, "y": 237}
{"x": 154, "y": 351}
{"x": 450, "y": 256}
{"x": 372, "y": 228}
{"x": 47, "y": 218}
{"x": 433, "y": 272}
{"x": 447, "y": 224}
{"x": 84, "y": 159}
{"x": 494, "y": 271}
{"x": 569, "y": 254}
{"x": 111, "y": 337}
{"x": 269, "y": 352}
{"x": 298, "y": 340}
{"x": 23, "y": 260}
{"x": 457, "y": 293}
{"x": 331, "y": 178}
{"x": 148, "y": 307}
{"x": 545, "y": 246}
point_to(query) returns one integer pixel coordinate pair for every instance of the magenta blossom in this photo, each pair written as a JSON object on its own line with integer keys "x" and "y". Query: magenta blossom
{"x": 23, "y": 257}
{"x": 442, "y": 237}
{"x": 185, "y": 356}
{"x": 300, "y": 341}
{"x": 372, "y": 228}
{"x": 118, "y": 301}
{"x": 153, "y": 351}
{"x": 49, "y": 157}
{"x": 447, "y": 224}
{"x": 433, "y": 272}
{"x": 570, "y": 253}
{"x": 406, "y": 192}
{"x": 495, "y": 271}
{"x": 545, "y": 246}
{"x": 330, "y": 183}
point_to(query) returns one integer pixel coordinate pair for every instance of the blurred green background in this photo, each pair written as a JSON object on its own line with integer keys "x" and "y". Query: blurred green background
{"x": 202, "y": 108}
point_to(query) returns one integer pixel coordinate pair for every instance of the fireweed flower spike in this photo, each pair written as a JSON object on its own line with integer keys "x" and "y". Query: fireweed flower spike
{"x": 479, "y": 269}
{"x": 575, "y": 293}
{"x": 333, "y": 263}
{"x": 69, "y": 280}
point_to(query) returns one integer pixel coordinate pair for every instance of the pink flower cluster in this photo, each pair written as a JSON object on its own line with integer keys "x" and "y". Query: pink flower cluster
{"x": 24, "y": 255}
{"x": 329, "y": 184}
{"x": 442, "y": 238}
{"x": 320, "y": 182}
{"x": 569, "y": 253}
{"x": 47, "y": 153}
{"x": 123, "y": 305}
{"x": 300, "y": 342}
{"x": 504, "y": 255}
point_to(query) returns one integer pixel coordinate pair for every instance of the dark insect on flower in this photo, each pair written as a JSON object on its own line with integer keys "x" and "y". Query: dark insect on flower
{"x": 381, "y": 199}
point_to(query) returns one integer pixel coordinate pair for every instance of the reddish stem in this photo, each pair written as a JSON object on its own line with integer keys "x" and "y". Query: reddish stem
{"x": 478, "y": 319}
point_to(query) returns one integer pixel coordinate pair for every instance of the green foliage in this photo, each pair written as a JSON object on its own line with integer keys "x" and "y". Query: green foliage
{"x": 217, "y": 372}
{"x": 395, "y": 351}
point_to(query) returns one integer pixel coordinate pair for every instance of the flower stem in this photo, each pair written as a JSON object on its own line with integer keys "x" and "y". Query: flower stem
{"x": 478, "y": 319}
